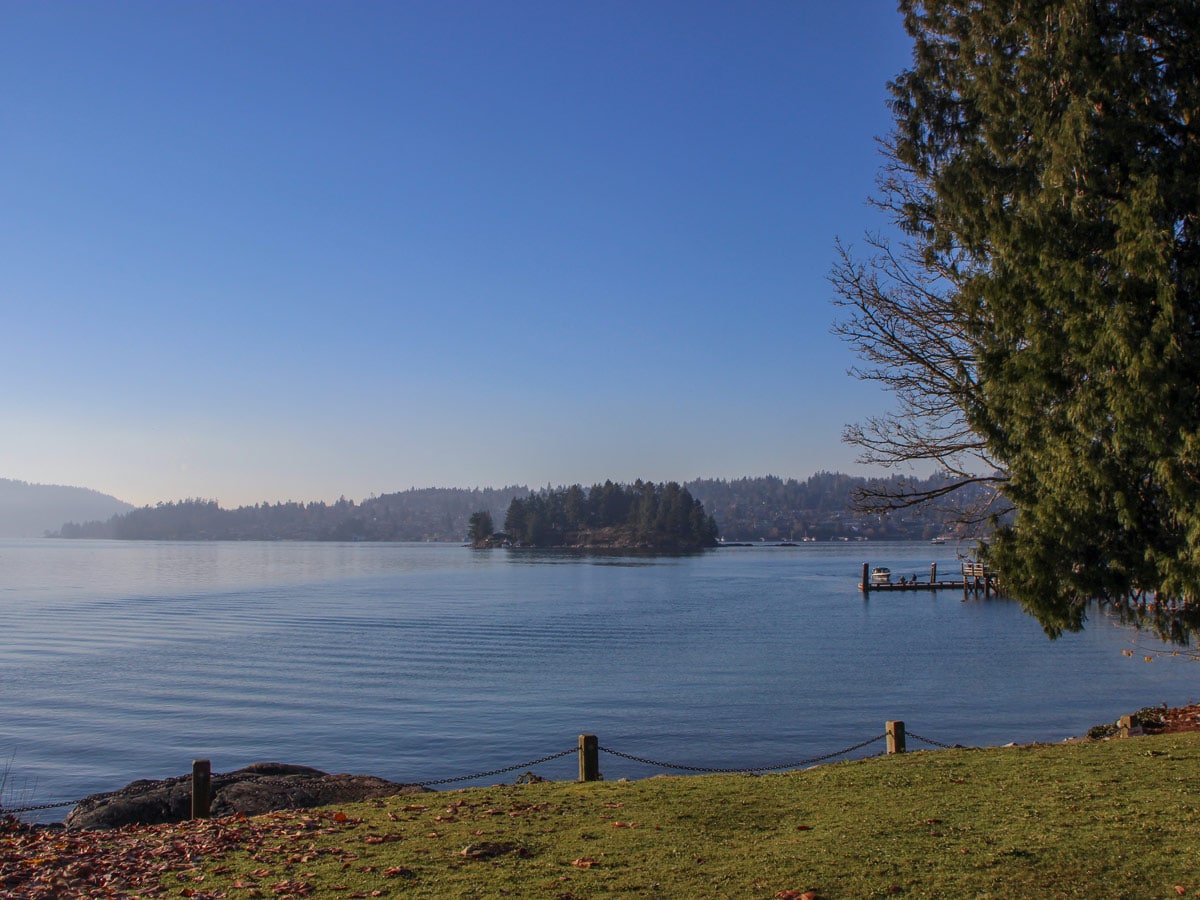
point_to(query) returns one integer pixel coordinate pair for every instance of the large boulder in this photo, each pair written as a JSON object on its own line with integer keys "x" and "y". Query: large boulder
{"x": 254, "y": 790}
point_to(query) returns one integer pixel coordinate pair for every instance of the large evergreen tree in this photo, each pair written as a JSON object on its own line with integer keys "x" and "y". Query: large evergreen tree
{"x": 1047, "y": 171}
{"x": 480, "y": 526}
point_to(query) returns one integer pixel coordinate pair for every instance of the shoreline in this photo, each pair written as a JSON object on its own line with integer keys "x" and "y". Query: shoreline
{"x": 1148, "y": 721}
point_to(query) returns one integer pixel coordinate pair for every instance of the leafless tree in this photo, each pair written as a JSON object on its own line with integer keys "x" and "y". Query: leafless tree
{"x": 900, "y": 313}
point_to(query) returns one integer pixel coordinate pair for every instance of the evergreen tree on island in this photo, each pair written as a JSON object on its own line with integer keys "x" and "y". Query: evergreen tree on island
{"x": 642, "y": 516}
{"x": 480, "y": 526}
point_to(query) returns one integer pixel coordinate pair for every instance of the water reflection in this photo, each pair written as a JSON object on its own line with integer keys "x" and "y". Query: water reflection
{"x": 1172, "y": 623}
{"x": 594, "y": 556}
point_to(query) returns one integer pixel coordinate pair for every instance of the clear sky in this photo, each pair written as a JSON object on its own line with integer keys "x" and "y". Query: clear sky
{"x": 279, "y": 249}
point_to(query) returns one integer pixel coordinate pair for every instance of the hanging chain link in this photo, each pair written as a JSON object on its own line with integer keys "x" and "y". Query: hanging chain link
{"x": 12, "y": 811}
{"x": 16, "y": 810}
{"x": 718, "y": 771}
{"x": 932, "y": 742}
{"x": 524, "y": 765}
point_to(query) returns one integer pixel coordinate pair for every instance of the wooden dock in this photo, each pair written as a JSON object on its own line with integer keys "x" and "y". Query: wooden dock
{"x": 974, "y": 578}
{"x": 913, "y": 586}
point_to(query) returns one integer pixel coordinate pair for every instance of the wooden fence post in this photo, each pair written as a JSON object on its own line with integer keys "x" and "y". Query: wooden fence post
{"x": 589, "y": 758}
{"x": 1125, "y": 724}
{"x": 201, "y": 788}
{"x": 895, "y": 737}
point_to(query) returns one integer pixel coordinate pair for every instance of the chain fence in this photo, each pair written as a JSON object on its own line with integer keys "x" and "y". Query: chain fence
{"x": 709, "y": 770}
{"x": 218, "y": 778}
{"x": 17, "y": 810}
{"x": 524, "y": 765}
{"x": 932, "y": 743}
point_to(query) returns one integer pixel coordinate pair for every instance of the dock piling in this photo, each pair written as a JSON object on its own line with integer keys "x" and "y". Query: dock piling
{"x": 589, "y": 758}
{"x": 201, "y": 788}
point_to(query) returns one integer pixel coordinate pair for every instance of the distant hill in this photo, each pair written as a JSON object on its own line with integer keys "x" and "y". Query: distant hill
{"x": 32, "y": 510}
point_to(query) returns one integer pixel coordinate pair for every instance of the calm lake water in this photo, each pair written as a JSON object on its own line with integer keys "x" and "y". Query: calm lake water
{"x": 421, "y": 662}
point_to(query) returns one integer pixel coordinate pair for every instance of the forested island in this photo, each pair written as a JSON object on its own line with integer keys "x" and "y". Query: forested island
{"x": 765, "y": 508}
{"x": 639, "y": 516}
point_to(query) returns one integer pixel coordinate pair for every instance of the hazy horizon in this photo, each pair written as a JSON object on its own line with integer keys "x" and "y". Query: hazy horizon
{"x": 260, "y": 252}
{"x": 400, "y": 490}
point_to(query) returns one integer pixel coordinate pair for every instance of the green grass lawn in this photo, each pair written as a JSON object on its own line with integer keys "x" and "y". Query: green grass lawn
{"x": 1104, "y": 819}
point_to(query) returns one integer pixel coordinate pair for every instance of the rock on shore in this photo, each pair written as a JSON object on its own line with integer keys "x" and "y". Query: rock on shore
{"x": 254, "y": 790}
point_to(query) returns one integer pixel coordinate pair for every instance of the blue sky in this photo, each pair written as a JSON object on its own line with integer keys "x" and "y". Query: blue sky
{"x": 266, "y": 250}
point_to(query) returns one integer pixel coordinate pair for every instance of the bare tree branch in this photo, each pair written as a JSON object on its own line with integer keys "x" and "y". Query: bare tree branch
{"x": 903, "y": 318}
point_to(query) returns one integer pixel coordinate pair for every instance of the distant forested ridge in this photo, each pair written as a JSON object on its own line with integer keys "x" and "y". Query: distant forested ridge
{"x": 641, "y": 515}
{"x": 822, "y": 508}
{"x": 420, "y": 514}
{"x": 768, "y": 508}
